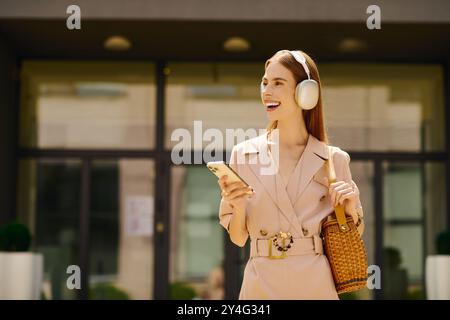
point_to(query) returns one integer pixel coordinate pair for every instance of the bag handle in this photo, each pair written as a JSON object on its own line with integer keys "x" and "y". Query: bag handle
{"x": 339, "y": 209}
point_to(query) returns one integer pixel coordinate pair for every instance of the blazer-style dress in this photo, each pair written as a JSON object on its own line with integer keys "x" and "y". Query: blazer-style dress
{"x": 297, "y": 208}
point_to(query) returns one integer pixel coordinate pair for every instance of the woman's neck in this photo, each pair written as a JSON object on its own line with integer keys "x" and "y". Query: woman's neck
{"x": 292, "y": 132}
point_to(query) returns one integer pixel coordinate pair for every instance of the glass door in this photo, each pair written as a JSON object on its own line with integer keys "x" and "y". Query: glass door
{"x": 87, "y": 175}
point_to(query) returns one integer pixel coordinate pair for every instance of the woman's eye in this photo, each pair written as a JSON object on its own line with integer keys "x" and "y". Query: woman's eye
{"x": 277, "y": 83}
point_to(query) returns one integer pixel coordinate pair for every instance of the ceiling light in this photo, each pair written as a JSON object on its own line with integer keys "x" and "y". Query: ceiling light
{"x": 236, "y": 44}
{"x": 352, "y": 45}
{"x": 117, "y": 43}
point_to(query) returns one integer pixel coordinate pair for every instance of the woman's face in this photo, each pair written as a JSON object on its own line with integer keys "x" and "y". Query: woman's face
{"x": 277, "y": 90}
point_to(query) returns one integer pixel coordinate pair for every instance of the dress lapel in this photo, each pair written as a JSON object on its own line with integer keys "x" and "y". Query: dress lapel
{"x": 265, "y": 169}
{"x": 316, "y": 153}
{"x": 294, "y": 180}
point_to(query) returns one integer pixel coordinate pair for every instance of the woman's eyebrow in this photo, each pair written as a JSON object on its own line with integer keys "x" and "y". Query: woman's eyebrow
{"x": 275, "y": 79}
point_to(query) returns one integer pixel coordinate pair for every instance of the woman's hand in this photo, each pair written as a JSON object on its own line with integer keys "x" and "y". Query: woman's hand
{"x": 345, "y": 193}
{"x": 235, "y": 193}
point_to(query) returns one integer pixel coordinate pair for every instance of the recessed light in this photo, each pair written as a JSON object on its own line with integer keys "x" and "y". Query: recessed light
{"x": 236, "y": 44}
{"x": 117, "y": 43}
{"x": 352, "y": 45}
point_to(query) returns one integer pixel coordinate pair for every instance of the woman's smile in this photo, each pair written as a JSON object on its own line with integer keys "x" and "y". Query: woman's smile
{"x": 271, "y": 105}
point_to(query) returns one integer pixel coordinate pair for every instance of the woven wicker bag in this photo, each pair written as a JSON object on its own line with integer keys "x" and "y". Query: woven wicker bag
{"x": 343, "y": 246}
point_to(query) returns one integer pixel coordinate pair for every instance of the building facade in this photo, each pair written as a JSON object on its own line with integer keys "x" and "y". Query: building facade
{"x": 89, "y": 133}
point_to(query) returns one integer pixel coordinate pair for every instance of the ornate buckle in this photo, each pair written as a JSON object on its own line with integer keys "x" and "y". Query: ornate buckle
{"x": 286, "y": 241}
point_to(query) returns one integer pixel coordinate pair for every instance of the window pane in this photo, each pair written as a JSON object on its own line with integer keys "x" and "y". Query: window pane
{"x": 363, "y": 175}
{"x": 403, "y": 191}
{"x": 220, "y": 95}
{"x": 414, "y": 211}
{"x": 435, "y": 203}
{"x": 121, "y": 222}
{"x": 367, "y": 107}
{"x": 403, "y": 257}
{"x": 48, "y": 202}
{"x": 384, "y": 107}
{"x": 87, "y": 105}
{"x": 196, "y": 254}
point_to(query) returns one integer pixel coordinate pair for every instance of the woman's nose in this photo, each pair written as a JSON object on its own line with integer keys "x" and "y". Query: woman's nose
{"x": 265, "y": 92}
{"x": 267, "y": 96}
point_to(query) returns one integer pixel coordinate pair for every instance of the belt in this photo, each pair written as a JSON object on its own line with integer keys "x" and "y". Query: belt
{"x": 301, "y": 246}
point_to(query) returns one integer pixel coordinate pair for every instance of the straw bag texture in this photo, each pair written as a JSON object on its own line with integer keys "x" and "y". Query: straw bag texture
{"x": 343, "y": 245}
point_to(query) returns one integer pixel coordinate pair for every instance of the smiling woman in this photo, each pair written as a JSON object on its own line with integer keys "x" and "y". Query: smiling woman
{"x": 284, "y": 214}
{"x": 289, "y": 73}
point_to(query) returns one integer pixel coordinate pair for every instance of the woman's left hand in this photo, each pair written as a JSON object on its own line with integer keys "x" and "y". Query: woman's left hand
{"x": 345, "y": 193}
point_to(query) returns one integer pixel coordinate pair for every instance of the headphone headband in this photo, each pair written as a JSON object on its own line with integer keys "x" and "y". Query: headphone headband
{"x": 300, "y": 58}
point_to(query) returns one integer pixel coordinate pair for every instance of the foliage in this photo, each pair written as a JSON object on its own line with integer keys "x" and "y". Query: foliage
{"x": 15, "y": 237}
{"x": 443, "y": 242}
{"x": 107, "y": 291}
{"x": 182, "y": 291}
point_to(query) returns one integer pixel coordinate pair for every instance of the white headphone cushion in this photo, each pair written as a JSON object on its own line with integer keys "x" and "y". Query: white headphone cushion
{"x": 307, "y": 94}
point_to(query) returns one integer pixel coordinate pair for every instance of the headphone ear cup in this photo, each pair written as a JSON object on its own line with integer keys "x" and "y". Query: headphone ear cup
{"x": 297, "y": 94}
{"x": 307, "y": 94}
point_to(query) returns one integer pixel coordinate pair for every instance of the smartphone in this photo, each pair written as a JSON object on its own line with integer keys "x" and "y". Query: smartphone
{"x": 220, "y": 169}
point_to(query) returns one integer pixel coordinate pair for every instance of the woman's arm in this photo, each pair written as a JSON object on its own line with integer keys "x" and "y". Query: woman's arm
{"x": 233, "y": 218}
{"x": 352, "y": 203}
{"x": 238, "y": 229}
{"x": 357, "y": 214}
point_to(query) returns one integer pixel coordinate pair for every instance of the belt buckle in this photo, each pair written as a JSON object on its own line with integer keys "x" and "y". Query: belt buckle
{"x": 270, "y": 243}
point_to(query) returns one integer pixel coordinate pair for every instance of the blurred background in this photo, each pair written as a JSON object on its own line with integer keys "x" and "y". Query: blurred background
{"x": 86, "y": 118}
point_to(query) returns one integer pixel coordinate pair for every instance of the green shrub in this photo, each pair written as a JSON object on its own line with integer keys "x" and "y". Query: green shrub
{"x": 348, "y": 296}
{"x": 416, "y": 294}
{"x": 443, "y": 242}
{"x": 15, "y": 237}
{"x": 107, "y": 291}
{"x": 182, "y": 291}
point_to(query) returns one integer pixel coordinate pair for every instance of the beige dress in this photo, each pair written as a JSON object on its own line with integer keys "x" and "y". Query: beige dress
{"x": 297, "y": 207}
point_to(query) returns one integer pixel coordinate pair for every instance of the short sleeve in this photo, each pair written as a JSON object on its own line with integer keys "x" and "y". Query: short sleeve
{"x": 344, "y": 173}
{"x": 225, "y": 210}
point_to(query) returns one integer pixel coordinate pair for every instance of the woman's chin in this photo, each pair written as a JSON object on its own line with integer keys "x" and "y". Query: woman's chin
{"x": 274, "y": 116}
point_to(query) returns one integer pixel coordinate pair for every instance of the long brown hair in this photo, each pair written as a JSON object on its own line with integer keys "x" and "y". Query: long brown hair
{"x": 314, "y": 119}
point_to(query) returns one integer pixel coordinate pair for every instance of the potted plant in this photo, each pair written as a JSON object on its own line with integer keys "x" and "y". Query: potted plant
{"x": 21, "y": 272}
{"x": 438, "y": 269}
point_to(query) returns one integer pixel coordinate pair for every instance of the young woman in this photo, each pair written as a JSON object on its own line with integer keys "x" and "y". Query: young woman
{"x": 282, "y": 211}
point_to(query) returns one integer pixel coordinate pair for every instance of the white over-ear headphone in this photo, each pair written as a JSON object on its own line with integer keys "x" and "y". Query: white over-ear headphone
{"x": 307, "y": 91}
